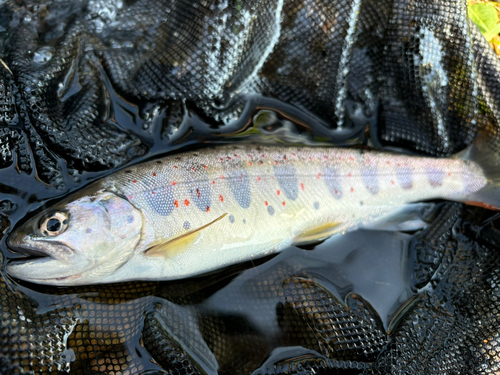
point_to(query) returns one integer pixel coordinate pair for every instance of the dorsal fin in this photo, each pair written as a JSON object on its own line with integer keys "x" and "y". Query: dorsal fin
{"x": 178, "y": 244}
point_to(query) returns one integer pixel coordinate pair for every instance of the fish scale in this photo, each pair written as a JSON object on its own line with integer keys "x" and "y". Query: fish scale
{"x": 273, "y": 195}
{"x": 196, "y": 212}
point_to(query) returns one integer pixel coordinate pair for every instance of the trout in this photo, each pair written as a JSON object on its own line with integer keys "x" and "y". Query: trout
{"x": 195, "y": 212}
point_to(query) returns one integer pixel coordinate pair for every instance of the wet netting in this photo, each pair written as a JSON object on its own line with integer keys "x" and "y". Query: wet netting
{"x": 89, "y": 86}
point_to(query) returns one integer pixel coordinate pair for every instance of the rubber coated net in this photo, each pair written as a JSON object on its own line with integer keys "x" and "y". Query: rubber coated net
{"x": 87, "y": 86}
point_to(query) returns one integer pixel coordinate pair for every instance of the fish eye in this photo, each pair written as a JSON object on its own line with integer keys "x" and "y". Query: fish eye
{"x": 54, "y": 224}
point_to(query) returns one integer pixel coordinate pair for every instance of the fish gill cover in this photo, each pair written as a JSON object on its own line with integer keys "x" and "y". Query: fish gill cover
{"x": 87, "y": 87}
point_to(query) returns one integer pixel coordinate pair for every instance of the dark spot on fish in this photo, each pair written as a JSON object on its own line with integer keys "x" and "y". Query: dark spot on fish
{"x": 239, "y": 184}
{"x": 270, "y": 210}
{"x": 287, "y": 178}
{"x": 404, "y": 175}
{"x": 231, "y": 219}
{"x": 89, "y": 230}
{"x": 128, "y": 171}
{"x": 199, "y": 187}
{"x": 316, "y": 205}
{"x": 244, "y": 221}
{"x": 435, "y": 176}
{"x": 333, "y": 181}
{"x": 158, "y": 162}
{"x": 187, "y": 225}
{"x": 130, "y": 219}
{"x": 162, "y": 201}
{"x": 370, "y": 177}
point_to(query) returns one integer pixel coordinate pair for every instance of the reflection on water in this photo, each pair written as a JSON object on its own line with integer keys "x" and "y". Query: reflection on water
{"x": 332, "y": 303}
{"x": 326, "y": 307}
{"x": 324, "y": 301}
{"x": 299, "y": 308}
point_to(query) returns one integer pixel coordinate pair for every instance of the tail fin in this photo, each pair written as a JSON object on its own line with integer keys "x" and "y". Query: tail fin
{"x": 485, "y": 152}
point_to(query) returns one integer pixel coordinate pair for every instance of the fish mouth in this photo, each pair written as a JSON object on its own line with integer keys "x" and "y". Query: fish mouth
{"x": 37, "y": 270}
{"x": 28, "y": 250}
{"x": 35, "y": 247}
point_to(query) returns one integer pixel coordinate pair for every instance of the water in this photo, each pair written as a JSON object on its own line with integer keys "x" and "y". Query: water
{"x": 99, "y": 327}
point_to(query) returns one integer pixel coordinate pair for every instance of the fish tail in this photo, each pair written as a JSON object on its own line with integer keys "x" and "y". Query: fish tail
{"x": 485, "y": 153}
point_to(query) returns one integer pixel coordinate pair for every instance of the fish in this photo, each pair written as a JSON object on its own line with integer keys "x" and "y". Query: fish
{"x": 194, "y": 212}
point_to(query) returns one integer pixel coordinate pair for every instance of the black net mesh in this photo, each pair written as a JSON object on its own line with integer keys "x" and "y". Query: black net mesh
{"x": 87, "y": 86}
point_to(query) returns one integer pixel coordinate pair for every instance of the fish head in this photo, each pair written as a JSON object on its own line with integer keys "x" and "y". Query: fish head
{"x": 77, "y": 242}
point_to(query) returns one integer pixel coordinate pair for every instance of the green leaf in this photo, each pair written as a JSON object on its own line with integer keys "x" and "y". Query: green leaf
{"x": 491, "y": 34}
{"x": 485, "y": 16}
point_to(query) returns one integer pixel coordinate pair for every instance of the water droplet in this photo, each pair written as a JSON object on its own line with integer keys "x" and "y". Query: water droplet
{"x": 43, "y": 55}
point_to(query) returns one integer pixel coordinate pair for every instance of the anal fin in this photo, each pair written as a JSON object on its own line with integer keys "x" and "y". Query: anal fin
{"x": 178, "y": 244}
{"x": 317, "y": 233}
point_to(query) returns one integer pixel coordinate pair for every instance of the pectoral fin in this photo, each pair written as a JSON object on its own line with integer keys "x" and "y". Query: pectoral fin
{"x": 178, "y": 244}
{"x": 317, "y": 233}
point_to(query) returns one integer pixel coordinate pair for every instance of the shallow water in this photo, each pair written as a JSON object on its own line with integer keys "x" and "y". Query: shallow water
{"x": 374, "y": 266}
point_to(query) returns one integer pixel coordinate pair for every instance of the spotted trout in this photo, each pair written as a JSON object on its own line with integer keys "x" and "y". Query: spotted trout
{"x": 195, "y": 212}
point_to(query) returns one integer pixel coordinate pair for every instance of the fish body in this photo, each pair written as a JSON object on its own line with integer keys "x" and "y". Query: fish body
{"x": 194, "y": 212}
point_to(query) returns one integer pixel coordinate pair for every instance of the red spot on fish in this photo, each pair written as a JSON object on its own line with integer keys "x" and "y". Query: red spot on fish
{"x": 152, "y": 192}
{"x": 388, "y": 162}
{"x": 176, "y": 203}
{"x": 276, "y": 162}
{"x": 263, "y": 155}
{"x": 449, "y": 174}
{"x": 208, "y": 209}
{"x": 293, "y": 153}
{"x": 352, "y": 190}
{"x": 258, "y": 178}
{"x": 205, "y": 166}
{"x": 302, "y": 186}
{"x": 310, "y": 158}
{"x": 250, "y": 163}
{"x": 192, "y": 168}
{"x": 198, "y": 193}
{"x": 392, "y": 182}
{"x": 186, "y": 202}
{"x": 154, "y": 174}
{"x": 398, "y": 164}
{"x": 336, "y": 191}
{"x": 284, "y": 157}
{"x": 284, "y": 203}
{"x": 351, "y": 158}
{"x": 350, "y": 175}
{"x": 135, "y": 181}
{"x": 235, "y": 155}
{"x": 130, "y": 197}
{"x": 221, "y": 159}
{"x": 267, "y": 203}
{"x": 249, "y": 155}
{"x": 174, "y": 183}
{"x": 261, "y": 162}
{"x": 319, "y": 176}
{"x": 175, "y": 166}
{"x": 221, "y": 198}
{"x": 367, "y": 188}
{"x": 213, "y": 182}
{"x": 222, "y": 177}
{"x": 340, "y": 157}
{"x": 229, "y": 158}
{"x": 278, "y": 192}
